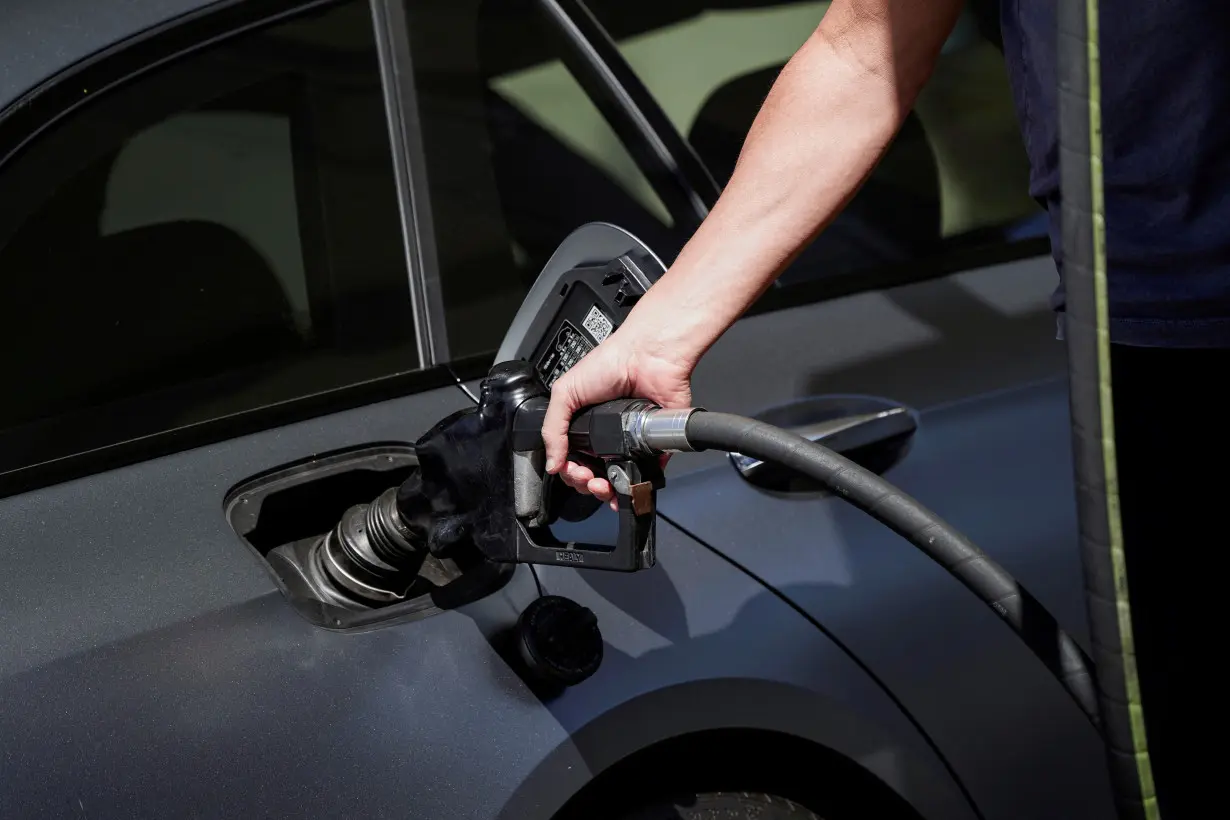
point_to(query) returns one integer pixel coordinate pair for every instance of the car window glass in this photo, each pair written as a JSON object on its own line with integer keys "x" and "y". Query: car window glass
{"x": 956, "y": 175}
{"x": 518, "y": 157}
{"x": 219, "y": 235}
{"x": 187, "y": 168}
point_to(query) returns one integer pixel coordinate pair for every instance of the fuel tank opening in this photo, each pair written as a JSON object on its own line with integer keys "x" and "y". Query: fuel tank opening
{"x": 368, "y": 559}
{"x": 328, "y": 530}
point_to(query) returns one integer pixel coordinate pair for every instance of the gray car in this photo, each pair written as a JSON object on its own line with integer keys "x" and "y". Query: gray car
{"x": 250, "y": 250}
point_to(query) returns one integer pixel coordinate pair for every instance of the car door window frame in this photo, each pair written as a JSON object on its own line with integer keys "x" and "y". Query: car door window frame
{"x": 410, "y": 167}
{"x": 672, "y": 166}
{"x": 957, "y": 257}
{"x": 39, "y": 111}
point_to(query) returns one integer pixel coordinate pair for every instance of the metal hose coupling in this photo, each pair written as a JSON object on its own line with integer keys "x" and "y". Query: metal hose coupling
{"x": 655, "y": 430}
{"x": 371, "y": 553}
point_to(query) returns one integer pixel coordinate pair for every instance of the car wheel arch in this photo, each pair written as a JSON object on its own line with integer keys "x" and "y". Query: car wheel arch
{"x": 670, "y": 738}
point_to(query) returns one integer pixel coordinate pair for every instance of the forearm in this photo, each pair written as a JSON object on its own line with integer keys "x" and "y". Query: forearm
{"x": 822, "y": 129}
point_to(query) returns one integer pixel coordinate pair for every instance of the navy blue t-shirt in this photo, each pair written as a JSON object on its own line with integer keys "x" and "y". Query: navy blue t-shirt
{"x": 1165, "y": 72}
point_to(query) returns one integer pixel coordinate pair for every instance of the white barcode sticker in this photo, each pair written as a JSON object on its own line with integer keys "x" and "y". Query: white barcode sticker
{"x": 597, "y": 324}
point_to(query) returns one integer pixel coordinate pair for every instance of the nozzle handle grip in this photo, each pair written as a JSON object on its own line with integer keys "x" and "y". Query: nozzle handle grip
{"x": 598, "y": 437}
{"x": 598, "y": 430}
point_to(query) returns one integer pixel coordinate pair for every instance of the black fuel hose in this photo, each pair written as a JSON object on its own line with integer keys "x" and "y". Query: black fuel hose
{"x": 918, "y": 525}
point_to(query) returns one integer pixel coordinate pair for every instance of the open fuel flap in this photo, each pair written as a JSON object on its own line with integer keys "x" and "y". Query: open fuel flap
{"x": 585, "y": 291}
{"x": 403, "y": 530}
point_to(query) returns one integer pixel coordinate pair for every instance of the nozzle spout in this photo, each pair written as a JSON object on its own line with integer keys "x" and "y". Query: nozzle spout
{"x": 371, "y": 553}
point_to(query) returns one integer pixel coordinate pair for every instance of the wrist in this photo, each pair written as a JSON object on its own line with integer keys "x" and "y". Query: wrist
{"x": 667, "y": 329}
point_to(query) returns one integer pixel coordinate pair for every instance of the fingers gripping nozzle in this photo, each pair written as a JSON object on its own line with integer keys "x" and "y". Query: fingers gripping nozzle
{"x": 483, "y": 477}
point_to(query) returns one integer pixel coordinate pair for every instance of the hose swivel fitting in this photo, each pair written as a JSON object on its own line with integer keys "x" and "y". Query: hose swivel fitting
{"x": 655, "y": 430}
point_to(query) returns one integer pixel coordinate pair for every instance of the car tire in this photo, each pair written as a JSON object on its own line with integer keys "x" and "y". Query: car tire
{"x": 723, "y": 806}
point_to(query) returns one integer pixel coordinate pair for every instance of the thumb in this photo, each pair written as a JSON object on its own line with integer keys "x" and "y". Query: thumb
{"x": 563, "y": 403}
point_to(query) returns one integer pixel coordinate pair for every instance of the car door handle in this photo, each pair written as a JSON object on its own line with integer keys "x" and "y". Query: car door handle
{"x": 874, "y": 433}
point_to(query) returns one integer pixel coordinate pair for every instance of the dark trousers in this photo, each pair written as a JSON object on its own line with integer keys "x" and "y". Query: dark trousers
{"x": 1173, "y": 457}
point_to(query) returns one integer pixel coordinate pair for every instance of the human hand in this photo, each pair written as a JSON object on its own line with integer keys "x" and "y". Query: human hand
{"x": 626, "y": 365}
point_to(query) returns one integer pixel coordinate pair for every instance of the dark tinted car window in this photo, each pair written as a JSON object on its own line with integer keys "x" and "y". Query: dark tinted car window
{"x": 956, "y": 176}
{"x": 517, "y": 158}
{"x": 218, "y": 235}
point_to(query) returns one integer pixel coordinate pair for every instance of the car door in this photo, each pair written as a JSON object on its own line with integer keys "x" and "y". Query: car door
{"x": 929, "y": 293}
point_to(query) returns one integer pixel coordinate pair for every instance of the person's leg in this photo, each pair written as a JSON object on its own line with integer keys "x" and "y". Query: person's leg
{"x": 1172, "y": 459}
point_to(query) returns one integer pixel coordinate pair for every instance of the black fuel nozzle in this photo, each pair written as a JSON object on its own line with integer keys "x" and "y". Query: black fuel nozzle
{"x": 481, "y": 482}
{"x": 464, "y": 487}
{"x": 482, "y": 476}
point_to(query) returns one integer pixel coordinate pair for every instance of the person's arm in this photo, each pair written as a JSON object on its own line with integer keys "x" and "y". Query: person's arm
{"x": 828, "y": 119}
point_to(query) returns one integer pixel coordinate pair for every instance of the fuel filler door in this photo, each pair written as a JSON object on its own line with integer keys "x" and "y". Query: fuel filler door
{"x": 585, "y": 291}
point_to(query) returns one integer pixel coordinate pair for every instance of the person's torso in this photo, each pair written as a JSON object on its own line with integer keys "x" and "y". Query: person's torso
{"x": 1165, "y": 103}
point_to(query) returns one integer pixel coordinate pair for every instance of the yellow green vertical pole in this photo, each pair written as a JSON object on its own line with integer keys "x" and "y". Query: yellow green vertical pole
{"x": 1087, "y": 332}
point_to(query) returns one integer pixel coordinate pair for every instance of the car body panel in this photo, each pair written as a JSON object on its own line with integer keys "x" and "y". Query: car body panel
{"x": 41, "y": 38}
{"x": 975, "y": 352}
{"x": 923, "y": 344}
{"x": 152, "y": 666}
{"x": 148, "y": 546}
{"x": 998, "y": 469}
{"x": 668, "y": 670}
